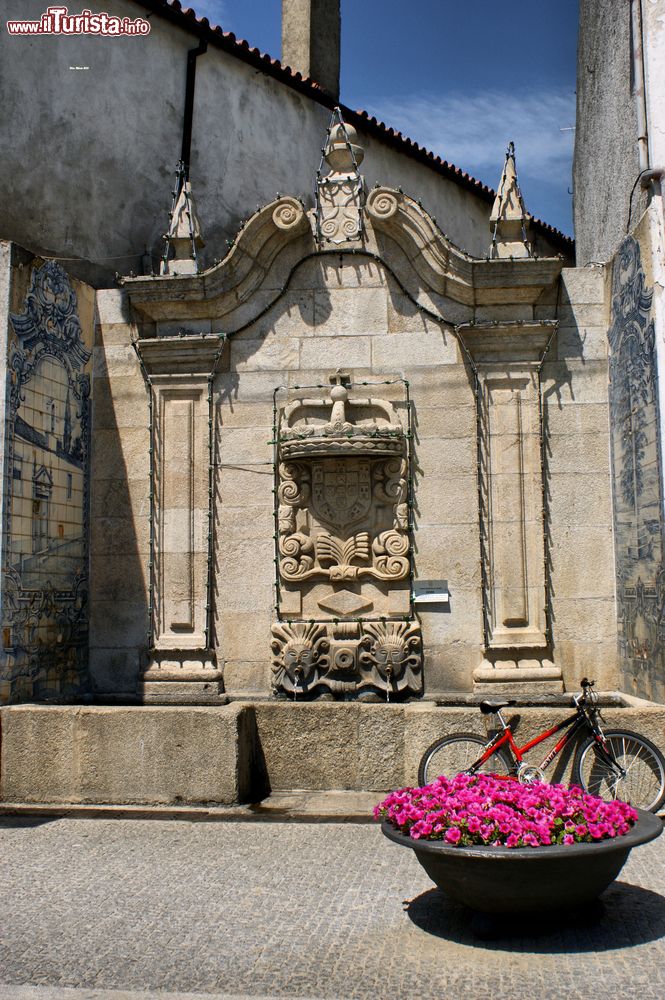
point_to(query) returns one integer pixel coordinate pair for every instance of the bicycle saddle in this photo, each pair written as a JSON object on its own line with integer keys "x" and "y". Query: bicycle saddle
{"x": 487, "y": 707}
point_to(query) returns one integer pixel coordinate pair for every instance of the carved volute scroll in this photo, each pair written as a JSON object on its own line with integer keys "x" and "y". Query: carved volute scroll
{"x": 343, "y": 549}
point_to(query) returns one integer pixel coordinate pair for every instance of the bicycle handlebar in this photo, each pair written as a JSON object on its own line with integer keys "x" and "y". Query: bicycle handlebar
{"x": 588, "y": 697}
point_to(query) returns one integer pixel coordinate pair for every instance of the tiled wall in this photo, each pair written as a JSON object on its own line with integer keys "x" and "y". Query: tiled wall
{"x": 46, "y": 461}
{"x": 635, "y": 449}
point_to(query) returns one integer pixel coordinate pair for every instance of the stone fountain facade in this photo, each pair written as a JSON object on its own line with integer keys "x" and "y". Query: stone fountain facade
{"x": 347, "y": 409}
{"x": 349, "y": 463}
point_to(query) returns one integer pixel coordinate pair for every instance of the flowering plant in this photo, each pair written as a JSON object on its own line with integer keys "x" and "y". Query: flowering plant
{"x": 470, "y": 810}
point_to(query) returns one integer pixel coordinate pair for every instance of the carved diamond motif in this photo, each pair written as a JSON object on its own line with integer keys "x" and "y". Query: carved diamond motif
{"x": 345, "y": 603}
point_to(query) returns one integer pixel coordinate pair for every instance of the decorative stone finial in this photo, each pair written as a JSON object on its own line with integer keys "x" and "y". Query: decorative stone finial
{"x": 342, "y": 153}
{"x": 509, "y": 219}
{"x": 183, "y": 234}
{"x": 340, "y": 194}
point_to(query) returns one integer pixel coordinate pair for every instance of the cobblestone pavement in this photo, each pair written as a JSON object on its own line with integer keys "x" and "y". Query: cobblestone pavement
{"x": 290, "y": 910}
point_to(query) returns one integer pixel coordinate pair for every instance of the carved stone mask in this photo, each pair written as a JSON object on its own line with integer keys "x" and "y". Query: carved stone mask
{"x": 389, "y": 655}
{"x": 298, "y": 659}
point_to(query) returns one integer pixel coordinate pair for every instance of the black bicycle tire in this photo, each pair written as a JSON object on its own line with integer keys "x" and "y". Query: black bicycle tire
{"x": 621, "y": 734}
{"x": 455, "y": 737}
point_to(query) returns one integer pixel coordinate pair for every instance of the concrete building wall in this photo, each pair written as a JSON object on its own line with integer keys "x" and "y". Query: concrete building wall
{"x": 606, "y": 163}
{"x": 89, "y": 154}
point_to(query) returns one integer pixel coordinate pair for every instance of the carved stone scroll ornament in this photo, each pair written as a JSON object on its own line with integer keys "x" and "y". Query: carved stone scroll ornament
{"x": 391, "y": 556}
{"x": 288, "y": 214}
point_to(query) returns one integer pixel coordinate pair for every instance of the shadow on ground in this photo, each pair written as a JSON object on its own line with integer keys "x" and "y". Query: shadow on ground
{"x": 625, "y": 915}
{"x": 23, "y": 822}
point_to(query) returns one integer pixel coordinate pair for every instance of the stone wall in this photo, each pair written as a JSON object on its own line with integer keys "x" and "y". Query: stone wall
{"x": 577, "y": 478}
{"x": 119, "y": 544}
{"x": 46, "y": 483}
{"x": 216, "y": 756}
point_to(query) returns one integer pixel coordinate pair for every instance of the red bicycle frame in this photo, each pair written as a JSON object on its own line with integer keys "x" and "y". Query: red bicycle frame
{"x": 571, "y": 724}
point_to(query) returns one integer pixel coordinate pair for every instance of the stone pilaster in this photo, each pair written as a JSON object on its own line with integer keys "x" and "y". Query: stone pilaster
{"x": 181, "y": 664}
{"x": 507, "y": 357}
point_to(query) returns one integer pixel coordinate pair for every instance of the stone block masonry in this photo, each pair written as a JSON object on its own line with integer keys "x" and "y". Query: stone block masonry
{"x": 127, "y": 755}
{"x": 221, "y": 755}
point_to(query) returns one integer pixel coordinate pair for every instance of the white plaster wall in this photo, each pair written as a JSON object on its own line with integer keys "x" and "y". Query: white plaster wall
{"x": 89, "y": 156}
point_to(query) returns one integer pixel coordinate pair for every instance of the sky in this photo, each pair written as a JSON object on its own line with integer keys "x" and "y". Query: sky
{"x": 462, "y": 79}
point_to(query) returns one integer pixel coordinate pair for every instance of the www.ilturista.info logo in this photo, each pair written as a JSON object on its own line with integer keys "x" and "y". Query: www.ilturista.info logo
{"x": 58, "y": 21}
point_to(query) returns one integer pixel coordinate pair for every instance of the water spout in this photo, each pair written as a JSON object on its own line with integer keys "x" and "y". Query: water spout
{"x": 296, "y": 682}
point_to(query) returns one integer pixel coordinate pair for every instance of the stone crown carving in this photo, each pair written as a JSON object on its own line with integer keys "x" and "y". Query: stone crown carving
{"x": 305, "y": 432}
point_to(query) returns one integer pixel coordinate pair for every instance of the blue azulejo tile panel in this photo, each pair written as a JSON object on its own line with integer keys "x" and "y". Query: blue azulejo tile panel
{"x": 637, "y": 479}
{"x": 46, "y": 523}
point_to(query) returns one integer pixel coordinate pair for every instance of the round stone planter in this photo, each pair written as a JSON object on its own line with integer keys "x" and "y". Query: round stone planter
{"x": 528, "y": 879}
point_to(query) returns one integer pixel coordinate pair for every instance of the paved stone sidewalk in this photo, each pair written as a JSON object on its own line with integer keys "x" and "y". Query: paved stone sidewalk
{"x": 123, "y": 909}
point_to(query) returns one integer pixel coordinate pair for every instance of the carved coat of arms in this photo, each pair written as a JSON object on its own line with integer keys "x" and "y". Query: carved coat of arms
{"x": 341, "y": 491}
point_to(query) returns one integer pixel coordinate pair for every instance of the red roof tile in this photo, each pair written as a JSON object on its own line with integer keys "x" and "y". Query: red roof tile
{"x": 186, "y": 18}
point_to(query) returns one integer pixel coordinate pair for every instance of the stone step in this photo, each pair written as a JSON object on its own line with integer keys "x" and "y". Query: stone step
{"x": 297, "y": 806}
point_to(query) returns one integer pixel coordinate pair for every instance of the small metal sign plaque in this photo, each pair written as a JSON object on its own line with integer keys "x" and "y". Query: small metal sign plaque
{"x": 431, "y": 592}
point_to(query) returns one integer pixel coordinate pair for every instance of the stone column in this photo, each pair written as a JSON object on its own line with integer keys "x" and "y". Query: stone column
{"x": 181, "y": 665}
{"x": 507, "y": 356}
{"x": 311, "y": 31}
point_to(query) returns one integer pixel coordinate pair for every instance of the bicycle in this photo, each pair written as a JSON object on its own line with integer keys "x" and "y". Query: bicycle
{"x": 613, "y": 764}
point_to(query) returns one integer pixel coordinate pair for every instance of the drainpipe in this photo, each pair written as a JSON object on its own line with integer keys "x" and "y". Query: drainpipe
{"x": 639, "y": 86}
{"x": 190, "y": 85}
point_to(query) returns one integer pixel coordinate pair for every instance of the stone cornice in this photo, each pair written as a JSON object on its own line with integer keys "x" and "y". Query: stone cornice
{"x": 192, "y": 355}
{"x": 232, "y": 282}
{"x": 446, "y": 269}
{"x": 520, "y": 342}
{"x": 280, "y": 236}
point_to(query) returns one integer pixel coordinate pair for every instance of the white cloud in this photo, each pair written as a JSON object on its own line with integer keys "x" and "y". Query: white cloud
{"x": 215, "y": 10}
{"x": 473, "y": 132}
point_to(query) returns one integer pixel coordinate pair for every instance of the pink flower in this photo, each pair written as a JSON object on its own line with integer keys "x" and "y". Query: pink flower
{"x": 482, "y": 809}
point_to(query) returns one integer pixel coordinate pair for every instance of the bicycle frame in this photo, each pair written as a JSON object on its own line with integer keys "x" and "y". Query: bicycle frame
{"x": 572, "y": 725}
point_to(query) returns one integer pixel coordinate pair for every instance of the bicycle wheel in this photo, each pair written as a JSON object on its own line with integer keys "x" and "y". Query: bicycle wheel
{"x": 644, "y": 782}
{"x": 455, "y": 753}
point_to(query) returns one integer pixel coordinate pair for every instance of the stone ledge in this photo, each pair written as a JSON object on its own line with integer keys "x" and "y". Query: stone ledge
{"x": 296, "y": 806}
{"x": 192, "y": 761}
